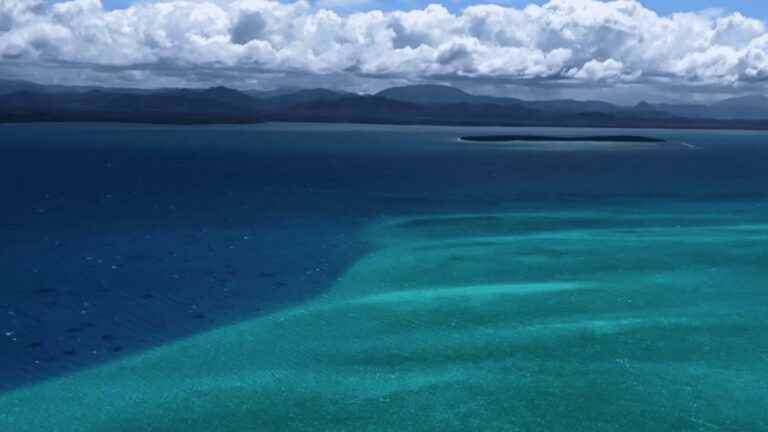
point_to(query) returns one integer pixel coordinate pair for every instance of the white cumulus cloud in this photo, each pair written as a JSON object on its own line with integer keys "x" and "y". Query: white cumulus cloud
{"x": 604, "y": 43}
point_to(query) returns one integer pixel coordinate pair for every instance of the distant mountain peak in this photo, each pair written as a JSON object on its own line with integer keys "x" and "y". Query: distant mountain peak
{"x": 320, "y": 92}
{"x": 427, "y": 94}
{"x": 428, "y": 87}
{"x": 747, "y": 100}
{"x": 222, "y": 90}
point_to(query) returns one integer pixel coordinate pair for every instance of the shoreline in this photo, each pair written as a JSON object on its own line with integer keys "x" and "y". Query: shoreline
{"x": 694, "y": 126}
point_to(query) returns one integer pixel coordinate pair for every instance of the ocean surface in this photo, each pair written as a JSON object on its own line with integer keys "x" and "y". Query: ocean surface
{"x": 352, "y": 277}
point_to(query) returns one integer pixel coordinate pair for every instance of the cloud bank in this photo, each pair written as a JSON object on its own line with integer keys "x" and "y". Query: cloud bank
{"x": 586, "y": 43}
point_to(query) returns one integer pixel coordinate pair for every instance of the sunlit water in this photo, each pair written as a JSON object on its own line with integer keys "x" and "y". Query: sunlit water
{"x": 336, "y": 277}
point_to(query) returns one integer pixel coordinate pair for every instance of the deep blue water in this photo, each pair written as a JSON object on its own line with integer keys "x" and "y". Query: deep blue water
{"x": 118, "y": 238}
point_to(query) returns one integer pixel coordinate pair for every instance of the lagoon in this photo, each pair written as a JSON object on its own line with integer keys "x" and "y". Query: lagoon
{"x": 346, "y": 277}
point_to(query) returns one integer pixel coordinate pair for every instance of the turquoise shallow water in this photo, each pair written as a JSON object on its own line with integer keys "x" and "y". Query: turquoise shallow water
{"x": 463, "y": 288}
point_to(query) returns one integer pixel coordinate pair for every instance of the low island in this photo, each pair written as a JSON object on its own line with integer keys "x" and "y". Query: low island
{"x": 537, "y": 138}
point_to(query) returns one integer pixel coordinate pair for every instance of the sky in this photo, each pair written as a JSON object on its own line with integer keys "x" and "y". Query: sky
{"x": 753, "y": 8}
{"x": 618, "y": 50}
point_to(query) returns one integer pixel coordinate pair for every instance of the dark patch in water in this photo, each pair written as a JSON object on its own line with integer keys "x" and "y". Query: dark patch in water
{"x": 46, "y": 291}
{"x": 137, "y": 258}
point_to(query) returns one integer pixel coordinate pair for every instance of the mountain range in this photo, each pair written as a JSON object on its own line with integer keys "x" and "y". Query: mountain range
{"x": 22, "y": 101}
